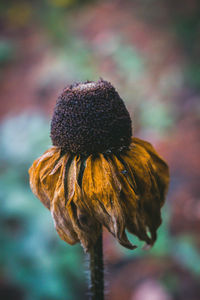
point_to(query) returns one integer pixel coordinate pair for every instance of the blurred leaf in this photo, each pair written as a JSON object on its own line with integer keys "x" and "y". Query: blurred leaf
{"x": 61, "y": 3}
{"x": 22, "y": 139}
{"x": 129, "y": 62}
{"x": 185, "y": 252}
{"x": 155, "y": 115}
{"x": 19, "y": 14}
{"x": 7, "y": 51}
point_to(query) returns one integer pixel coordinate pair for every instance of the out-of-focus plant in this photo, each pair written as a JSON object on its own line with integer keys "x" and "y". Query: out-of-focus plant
{"x": 7, "y": 51}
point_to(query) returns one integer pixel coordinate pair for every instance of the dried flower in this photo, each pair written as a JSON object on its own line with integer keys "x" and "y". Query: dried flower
{"x": 95, "y": 173}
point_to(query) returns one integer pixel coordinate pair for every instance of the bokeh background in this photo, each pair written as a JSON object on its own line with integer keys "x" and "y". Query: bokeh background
{"x": 150, "y": 51}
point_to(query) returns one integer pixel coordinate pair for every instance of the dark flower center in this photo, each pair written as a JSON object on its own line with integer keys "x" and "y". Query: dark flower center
{"x": 90, "y": 118}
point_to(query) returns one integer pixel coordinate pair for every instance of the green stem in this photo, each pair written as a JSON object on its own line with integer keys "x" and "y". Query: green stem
{"x": 96, "y": 270}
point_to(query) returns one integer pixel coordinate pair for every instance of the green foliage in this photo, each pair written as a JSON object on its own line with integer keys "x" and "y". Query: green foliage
{"x": 155, "y": 115}
{"x": 186, "y": 253}
{"x": 129, "y": 62}
{"x": 7, "y": 51}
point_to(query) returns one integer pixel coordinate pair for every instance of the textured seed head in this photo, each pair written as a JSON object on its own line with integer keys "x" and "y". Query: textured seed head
{"x": 90, "y": 118}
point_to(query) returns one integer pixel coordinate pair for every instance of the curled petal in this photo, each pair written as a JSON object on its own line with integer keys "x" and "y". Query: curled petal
{"x": 59, "y": 210}
{"x": 101, "y": 190}
{"x": 159, "y": 166}
{"x": 83, "y": 222}
{"x": 120, "y": 191}
{"x": 43, "y": 185}
{"x": 47, "y": 180}
{"x": 151, "y": 175}
{"x": 129, "y": 198}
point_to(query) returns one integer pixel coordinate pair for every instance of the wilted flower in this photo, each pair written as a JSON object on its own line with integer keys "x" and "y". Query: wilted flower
{"x": 96, "y": 173}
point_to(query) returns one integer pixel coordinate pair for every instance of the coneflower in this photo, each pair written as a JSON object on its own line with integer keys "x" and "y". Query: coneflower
{"x": 96, "y": 174}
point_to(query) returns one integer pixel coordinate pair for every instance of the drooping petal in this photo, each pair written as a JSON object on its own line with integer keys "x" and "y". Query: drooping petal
{"x": 151, "y": 175}
{"x": 84, "y": 224}
{"x": 120, "y": 191}
{"x": 129, "y": 198}
{"x": 101, "y": 190}
{"x": 161, "y": 170}
{"x": 43, "y": 185}
{"x": 59, "y": 209}
{"x": 47, "y": 180}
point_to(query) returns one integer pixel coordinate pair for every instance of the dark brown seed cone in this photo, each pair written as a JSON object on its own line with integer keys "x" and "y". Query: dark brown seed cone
{"x": 90, "y": 118}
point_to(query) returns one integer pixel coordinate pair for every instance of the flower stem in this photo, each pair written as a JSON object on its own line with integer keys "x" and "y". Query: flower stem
{"x": 96, "y": 270}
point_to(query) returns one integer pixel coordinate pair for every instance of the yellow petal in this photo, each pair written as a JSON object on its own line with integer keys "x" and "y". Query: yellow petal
{"x": 47, "y": 180}
{"x": 83, "y": 222}
{"x": 59, "y": 209}
{"x": 159, "y": 166}
{"x": 41, "y": 184}
{"x": 101, "y": 190}
{"x": 122, "y": 191}
{"x": 151, "y": 176}
{"x": 129, "y": 198}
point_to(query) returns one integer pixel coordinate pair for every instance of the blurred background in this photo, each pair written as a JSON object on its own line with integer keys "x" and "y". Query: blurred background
{"x": 150, "y": 51}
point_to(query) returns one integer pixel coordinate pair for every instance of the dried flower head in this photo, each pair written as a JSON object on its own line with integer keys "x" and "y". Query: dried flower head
{"x": 96, "y": 174}
{"x": 90, "y": 118}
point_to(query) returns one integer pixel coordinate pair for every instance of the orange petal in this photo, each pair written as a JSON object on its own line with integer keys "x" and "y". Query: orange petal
{"x": 159, "y": 166}
{"x": 144, "y": 165}
{"x": 42, "y": 186}
{"x": 59, "y": 210}
{"x": 129, "y": 199}
{"x": 101, "y": 190}
{"x": 83, "y": 222}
